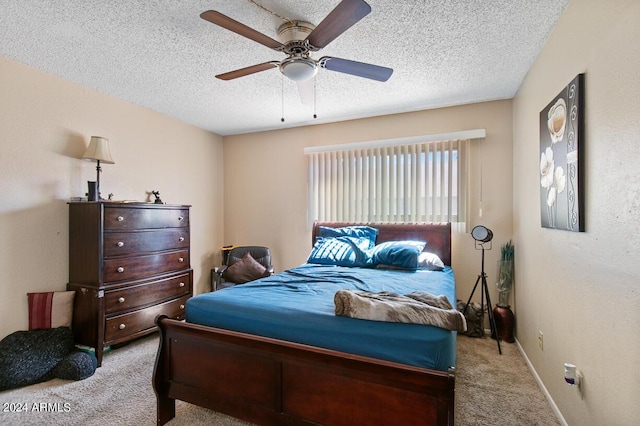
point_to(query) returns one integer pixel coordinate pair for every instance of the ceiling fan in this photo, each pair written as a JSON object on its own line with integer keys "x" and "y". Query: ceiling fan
{"x": 298, "y": 39}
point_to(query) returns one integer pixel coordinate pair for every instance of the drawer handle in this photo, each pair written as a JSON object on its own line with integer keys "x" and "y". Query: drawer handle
{"x": 122, "y": 326}
{"x": 181, "y": 239}
{"x": 181, "y": 259}
{"x": 120, "y": 244}
{"x": 120, "y": 269}
{"x": 181, "y": 306}
{"x": 181, "y": 284}
{"x": 180, "y": 218}
{"x": 121, "y": 300}
{"x": 120, "y": 218}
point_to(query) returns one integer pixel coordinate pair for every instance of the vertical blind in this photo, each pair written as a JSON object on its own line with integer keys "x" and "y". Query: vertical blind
{"x": 418, "y": 182}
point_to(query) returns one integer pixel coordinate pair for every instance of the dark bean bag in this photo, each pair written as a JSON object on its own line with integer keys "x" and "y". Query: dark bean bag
{"x": 34, "y": 356}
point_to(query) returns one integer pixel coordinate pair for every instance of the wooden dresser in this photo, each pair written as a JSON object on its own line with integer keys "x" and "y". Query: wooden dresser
{"x": 128, "y": 263}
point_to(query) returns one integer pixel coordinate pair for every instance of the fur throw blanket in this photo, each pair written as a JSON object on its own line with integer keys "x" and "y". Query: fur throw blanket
{"x": 418, "y": 307}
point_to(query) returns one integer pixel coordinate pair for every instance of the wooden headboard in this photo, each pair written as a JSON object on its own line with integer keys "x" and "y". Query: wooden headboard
{"x": 436, "y": 235}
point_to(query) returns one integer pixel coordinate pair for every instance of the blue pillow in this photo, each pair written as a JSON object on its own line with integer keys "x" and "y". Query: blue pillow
{"x": 341, "y": 251}
{"x": 398, "y": 254}
{"x": 368, "y": 233}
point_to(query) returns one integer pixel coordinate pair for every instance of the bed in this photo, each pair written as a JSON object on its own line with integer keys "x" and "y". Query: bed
{"x": 305, "y": 365}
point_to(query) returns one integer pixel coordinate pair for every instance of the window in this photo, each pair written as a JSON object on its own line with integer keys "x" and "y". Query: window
{"x": 401, "y": 182}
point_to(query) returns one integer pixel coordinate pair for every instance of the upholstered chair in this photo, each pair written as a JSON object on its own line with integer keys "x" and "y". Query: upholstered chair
{"x": 242, "y": 265}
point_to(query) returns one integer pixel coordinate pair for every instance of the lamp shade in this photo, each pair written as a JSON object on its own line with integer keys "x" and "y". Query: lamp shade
{"x": 482, "y": 234}
{"x": 98, "y": 150}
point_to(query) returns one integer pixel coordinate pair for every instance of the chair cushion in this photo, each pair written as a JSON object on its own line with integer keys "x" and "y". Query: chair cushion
{"x": 245, "y": 270}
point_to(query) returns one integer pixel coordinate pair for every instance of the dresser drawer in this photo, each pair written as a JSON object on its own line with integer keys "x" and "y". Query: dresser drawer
{"x": 123, "y": 218}
{"x": 128, "y": 268}
{"x": 124, "y": 243}
{"x": 148, "y": 293}
{"x": 121, "y": 326}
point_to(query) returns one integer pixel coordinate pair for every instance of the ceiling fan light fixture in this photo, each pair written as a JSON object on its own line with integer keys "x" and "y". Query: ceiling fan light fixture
{"x": 298, "y": 69}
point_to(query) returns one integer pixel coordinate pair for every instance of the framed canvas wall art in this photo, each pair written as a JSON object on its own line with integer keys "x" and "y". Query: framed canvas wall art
{"x": 561, "y": 159}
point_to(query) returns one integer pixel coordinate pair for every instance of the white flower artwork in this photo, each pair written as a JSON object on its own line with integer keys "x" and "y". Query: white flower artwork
{"x": 561, "y": 192}
{"x": 546, "y": 168}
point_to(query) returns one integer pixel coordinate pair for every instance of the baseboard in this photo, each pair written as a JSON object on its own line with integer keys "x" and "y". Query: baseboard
{"x": 546, "y": 393}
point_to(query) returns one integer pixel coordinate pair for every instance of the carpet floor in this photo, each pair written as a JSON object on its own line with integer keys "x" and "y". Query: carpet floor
{"x": 491, "y": 389}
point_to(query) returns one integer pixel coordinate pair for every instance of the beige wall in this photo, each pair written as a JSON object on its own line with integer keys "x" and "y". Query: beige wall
{"x": 582, "y": 289}
{"x": 45, "y": 126}
{"x": 266, "y": 196}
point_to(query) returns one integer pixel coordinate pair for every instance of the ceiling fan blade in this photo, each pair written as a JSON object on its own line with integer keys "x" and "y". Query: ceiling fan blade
{"x": 248, "y": 70}
{"x": 306, "y": 89}
{"x": 359, "y": 69}
{"x": 219, "y": 19}
{"x": 340, "y": 19}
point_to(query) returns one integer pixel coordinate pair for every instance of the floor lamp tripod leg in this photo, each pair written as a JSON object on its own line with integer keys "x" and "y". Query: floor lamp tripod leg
{"x": 482, "y": 278}
{"x": 464, "y": 311}
{"x": 492, "y": 320}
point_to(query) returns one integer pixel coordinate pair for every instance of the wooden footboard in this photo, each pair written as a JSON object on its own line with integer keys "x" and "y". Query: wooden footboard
{"x": 272, "y": 382}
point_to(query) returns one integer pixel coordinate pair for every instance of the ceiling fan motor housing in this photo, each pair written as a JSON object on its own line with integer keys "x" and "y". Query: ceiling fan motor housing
{"x": 293, "y": 35}
{"x": 298, "y": 66}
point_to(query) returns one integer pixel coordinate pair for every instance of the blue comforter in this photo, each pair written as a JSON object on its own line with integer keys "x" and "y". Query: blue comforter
{"x": 297, "y": 305}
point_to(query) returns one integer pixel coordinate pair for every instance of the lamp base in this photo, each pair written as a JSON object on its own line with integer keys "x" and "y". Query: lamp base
{"x": 93, "y": 195}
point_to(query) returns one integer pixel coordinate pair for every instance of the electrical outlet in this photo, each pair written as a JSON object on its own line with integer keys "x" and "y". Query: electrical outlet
{"x": 540, "y": 340}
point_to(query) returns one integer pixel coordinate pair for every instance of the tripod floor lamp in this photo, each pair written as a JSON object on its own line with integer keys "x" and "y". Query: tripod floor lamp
{"x": 482, "y": 236}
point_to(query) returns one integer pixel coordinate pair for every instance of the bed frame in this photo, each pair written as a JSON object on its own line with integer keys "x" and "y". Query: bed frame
{"x": 273, "y": 382}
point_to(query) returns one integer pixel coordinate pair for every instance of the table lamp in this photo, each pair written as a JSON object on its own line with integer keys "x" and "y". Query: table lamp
{"x": 98, "y": 151}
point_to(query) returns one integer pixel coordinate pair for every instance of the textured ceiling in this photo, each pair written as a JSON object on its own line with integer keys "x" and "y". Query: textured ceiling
{"x": 161, "y": 55}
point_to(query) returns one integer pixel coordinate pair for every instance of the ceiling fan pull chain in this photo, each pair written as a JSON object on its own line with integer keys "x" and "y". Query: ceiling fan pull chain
{"x": 282, "y": 97}
{"x": 315, "y": 96}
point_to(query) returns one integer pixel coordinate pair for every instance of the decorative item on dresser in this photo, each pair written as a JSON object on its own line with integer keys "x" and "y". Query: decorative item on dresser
{"x": 128, "y": 263}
